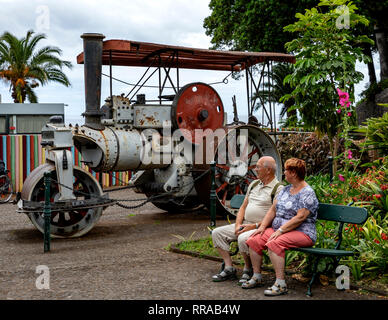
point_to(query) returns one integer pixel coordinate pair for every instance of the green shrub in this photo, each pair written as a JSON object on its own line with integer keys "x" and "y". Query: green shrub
{"x": 307, "y": 147}
{"x": 314, "y": 150}
{"x": 376, "y": 134}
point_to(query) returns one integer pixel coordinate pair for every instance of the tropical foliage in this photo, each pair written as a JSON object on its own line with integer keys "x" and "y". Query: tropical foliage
{"x": 326, "y": 60}
{"x": 368, "y": 189}
{"x": 376, "y": 133}
{"x": 251, "y": 24}
{"x": 25, "y": 67}
{"x": 258, "y": 26}
{"x": 370, "y": 241}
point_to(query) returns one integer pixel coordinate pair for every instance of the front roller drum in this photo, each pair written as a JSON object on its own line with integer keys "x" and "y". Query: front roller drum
{"x": 64, "y": 224}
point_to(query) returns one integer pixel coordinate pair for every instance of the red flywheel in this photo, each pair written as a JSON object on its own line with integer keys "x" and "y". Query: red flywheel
{"x": 197, "y": 106}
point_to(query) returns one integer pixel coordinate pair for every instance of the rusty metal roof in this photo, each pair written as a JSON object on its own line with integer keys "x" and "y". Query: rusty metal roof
{"x": 142, "y": 54}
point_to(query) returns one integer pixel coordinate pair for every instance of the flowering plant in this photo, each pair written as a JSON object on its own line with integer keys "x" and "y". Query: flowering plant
{"x": 346, "y": 111}
{"x": 372, "y": 246}
{"x": 367, "y": 189}
{"x": 373, "y": 186}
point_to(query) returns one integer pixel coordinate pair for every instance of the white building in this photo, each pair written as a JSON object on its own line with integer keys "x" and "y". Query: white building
{"x": 27, "y": 118}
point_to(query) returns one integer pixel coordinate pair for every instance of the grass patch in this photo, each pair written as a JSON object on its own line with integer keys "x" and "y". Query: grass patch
{"x": 202, "y": 246}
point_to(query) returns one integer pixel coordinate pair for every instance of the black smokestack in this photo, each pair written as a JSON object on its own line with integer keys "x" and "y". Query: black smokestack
{"x": 92, "y": 75}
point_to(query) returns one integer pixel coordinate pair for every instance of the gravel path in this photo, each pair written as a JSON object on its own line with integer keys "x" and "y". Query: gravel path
{"x": 123, "y": 257}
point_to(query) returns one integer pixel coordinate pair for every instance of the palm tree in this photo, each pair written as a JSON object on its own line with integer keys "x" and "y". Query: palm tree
{"x": 25, "y": 67}
{"x": 275, "y": 89}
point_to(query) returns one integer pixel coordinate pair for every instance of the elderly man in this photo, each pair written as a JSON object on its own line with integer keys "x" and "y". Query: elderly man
{"x": 258, "y": 200}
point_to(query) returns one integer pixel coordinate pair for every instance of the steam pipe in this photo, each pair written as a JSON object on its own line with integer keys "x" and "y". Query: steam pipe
{"x": 92, "y": 75}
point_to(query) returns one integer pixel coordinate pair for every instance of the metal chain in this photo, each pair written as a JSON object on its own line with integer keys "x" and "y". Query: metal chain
{"x": 130, "y": 207}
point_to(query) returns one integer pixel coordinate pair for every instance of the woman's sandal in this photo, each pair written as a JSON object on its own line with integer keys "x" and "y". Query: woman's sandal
{"x": 252, "y": 283}
{"x": 275, "y": 290}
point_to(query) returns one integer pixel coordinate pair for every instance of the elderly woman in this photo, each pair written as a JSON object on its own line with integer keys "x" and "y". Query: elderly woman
{"x": 289, "y": 223}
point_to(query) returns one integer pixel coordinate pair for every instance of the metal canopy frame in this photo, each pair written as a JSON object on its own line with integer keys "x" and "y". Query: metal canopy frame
{"x": 165, "y": 57}
{"x": 253, "y": 90}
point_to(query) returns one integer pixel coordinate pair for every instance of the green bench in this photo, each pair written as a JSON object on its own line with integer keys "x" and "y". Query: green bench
{"x": 329, "y": 212}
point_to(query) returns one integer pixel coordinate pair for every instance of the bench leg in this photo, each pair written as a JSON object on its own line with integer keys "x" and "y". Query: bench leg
{"x": 315, "y": 267}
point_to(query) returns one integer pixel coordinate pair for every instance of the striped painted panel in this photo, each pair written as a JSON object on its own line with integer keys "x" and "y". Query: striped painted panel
{"x": 23, "y": 153}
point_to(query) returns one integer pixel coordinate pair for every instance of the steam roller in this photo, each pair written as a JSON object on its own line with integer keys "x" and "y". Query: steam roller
{"x": 168, "y": 147}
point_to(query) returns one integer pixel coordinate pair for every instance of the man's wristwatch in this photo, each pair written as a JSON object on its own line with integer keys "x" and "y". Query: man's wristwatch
{"x": 281, "y": 230}
{"x": 257, "y": 225}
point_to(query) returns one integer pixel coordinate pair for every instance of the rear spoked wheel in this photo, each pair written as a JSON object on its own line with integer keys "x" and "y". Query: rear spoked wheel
{"x": 235, "y": 158}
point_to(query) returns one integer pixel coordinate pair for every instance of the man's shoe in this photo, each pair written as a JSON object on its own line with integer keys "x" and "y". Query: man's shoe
{"x": 275, "y": 290}
{"x": 246, "y": 275}
{"x": 252, "y": 283}
{"x": 225, "y": 274}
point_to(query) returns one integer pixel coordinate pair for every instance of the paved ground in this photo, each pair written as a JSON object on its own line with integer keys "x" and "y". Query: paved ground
{"x": 123, "y": 257}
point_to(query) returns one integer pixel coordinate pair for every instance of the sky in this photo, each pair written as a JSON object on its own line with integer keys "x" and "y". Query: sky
{"x": 173, "y": 22}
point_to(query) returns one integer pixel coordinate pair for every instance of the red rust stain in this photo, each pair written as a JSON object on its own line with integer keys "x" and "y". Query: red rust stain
{"x": 151, "y": 119}
{"x": 102, "y": 133}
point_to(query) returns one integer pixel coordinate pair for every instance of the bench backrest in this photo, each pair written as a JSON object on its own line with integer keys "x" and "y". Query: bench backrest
{"x": 331, "y": 212}
{"x": 340, "y": 213}
{"x": 237, "y": 201}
